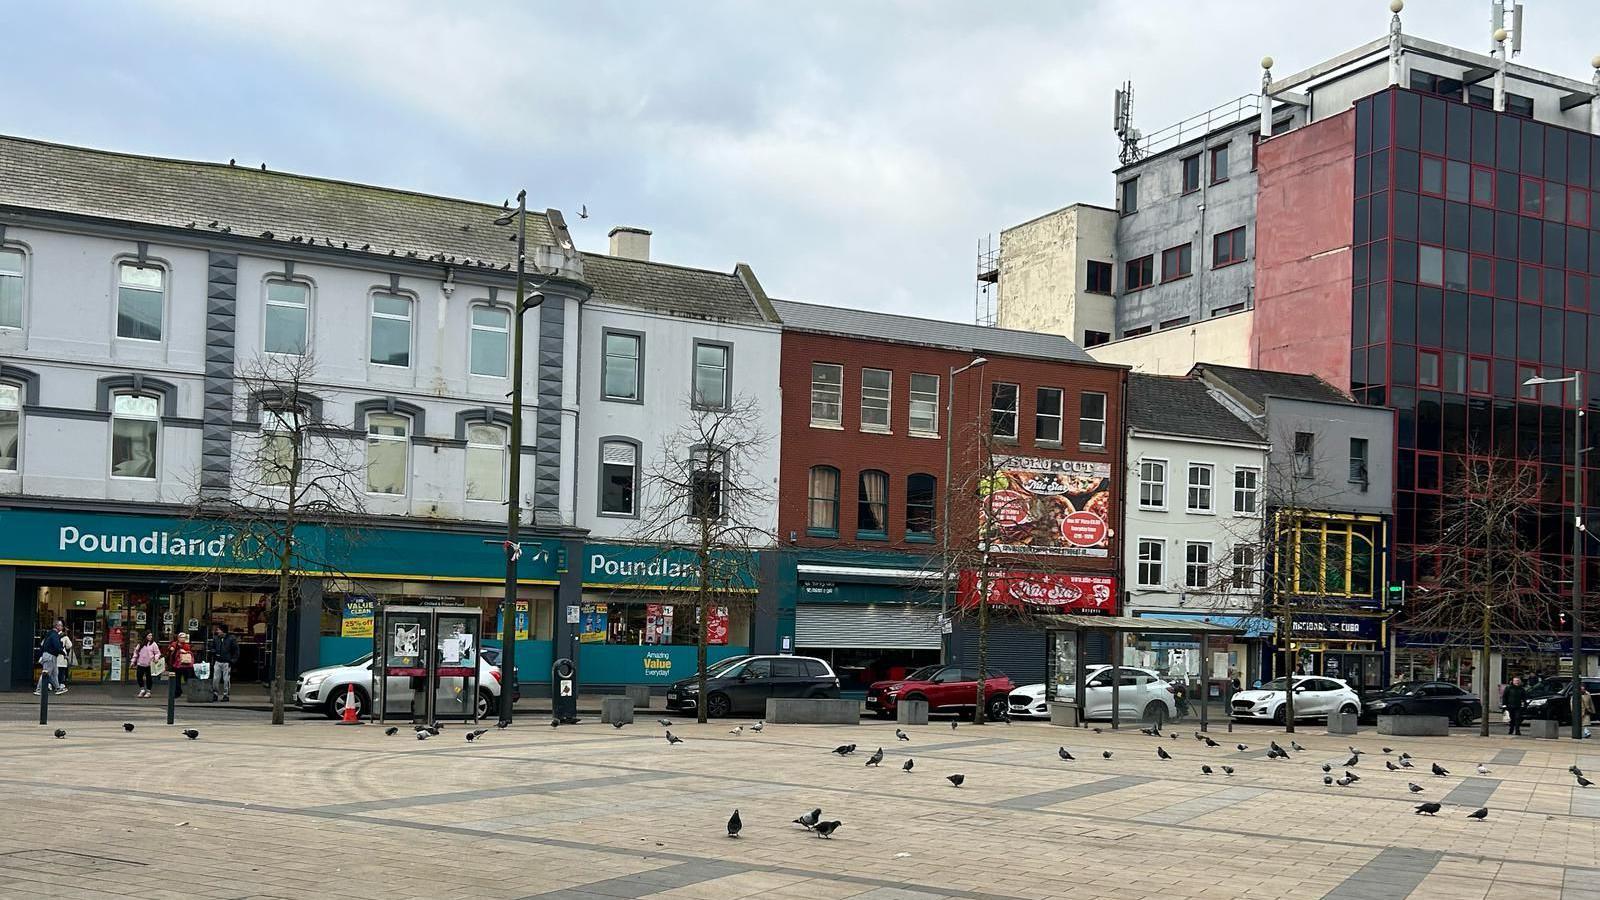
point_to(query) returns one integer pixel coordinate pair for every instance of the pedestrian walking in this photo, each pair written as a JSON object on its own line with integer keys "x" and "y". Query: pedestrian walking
{"x": 69, "y": 657}
{"x": 1513, "y": 698}
{"x": 143, "y": 659}
{"x": 180, "y": 659}
{"x": 223, "y": 651}
{"x": 1586, "y": 706}
{"x": 50, "y": 653}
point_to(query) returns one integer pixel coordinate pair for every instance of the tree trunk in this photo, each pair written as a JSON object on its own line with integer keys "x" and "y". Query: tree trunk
{"x": 983, "y": 642}
{"x": 286, "y": 549}
{"x": 705, "y": 621}
{"x": 1288, "y": 669}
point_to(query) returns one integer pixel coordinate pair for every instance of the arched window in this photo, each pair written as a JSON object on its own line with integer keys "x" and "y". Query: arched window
{"x": 822, "y": 508}
{"x": 619, "y": 478}
{"x": 922, "y": 506}
{"x": 872, "y": 505}
{"x": 280, "y": 428}
{"x": 391, "y": 330}
{"x": 10, "y": 425}
{"x": 141, "y": 300}
{"x": 135, "y": 433}
{"x": 486, "y": 461}
{"x": 490, "y": 341}
{"x": 388, "y": 453}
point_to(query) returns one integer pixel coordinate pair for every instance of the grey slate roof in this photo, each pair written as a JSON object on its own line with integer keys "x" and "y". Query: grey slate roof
{"x": 677, "y": 290}
{"x": 1256, "y": 385}
{"x": 149, "y": 190}
{"x": 1180, "y": 405}
{"x": 932, "y": 332}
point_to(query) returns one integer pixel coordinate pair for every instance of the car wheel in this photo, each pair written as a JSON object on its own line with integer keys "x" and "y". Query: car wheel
{"x": 336, "y": 703}
{"x": 488, "y": 704}
{"x": 717, "y": 706}
{"x": 1277, "y": 715}
{"x": 1350, "y": 709}
{"x": 1155, "y": 711}
{"x": 1464, "y": 716}
{"x": 997, "y": 709}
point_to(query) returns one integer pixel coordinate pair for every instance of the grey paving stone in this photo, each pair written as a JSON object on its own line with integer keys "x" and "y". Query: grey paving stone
{"x": 1391, "y": 875}
{"x": 1075, "y": 792}
{"x": 1473, "y": 792}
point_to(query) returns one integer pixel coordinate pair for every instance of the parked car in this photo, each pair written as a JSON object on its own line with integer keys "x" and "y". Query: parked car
{"x": 325, "y": 689}
{"x": 1314, "y": 698}
{"x": 1552, "y": 699}
{"x": 1425, "y": 698}
{"x": 742, "y": 684}
{"x": 1142, "y": 695}
{"x": 948, "y": 689}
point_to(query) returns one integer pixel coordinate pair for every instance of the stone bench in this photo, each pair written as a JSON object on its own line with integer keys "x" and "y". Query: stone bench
{"x": 1062, "y": 713}
{"x": 911, "y": 712}
{"x": 639, "y": 694}
{"x": 791, "y": 711}
{"x": 616, "y": 709}
{"x": 1414, "y": 726}
{"x": 1549, "y": 729}
{"x": 1344, "y": 723}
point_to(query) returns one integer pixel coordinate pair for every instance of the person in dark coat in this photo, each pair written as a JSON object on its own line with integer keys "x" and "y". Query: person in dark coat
{"x": 1514, "y": 699}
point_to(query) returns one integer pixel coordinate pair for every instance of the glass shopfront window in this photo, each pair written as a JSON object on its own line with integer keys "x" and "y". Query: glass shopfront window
{"x": 665, "y": 620}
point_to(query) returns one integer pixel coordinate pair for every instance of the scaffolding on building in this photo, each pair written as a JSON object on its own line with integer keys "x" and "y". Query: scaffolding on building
{"x": 986, "y": 295}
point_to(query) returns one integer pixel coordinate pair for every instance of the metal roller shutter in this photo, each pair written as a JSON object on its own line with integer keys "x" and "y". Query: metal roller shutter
{"x": 875, "y": 626}
{"x": 1016, "y": 650}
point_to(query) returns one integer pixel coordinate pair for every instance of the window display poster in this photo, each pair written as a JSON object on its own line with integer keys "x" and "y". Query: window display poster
{"x": 405, "y": 644}
{"x": 522, "y": 621}
{"x": 358, "y": 617}
{"x": 657, "y": 623}
{"x": 456, "y": 648}
{"x": 592, "y": 624}
{"x": 717, "y": 625}
{"x": 114, "y": 656}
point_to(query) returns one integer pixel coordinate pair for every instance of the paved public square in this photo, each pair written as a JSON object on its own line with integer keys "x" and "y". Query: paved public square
{"x": 314, "y": 809}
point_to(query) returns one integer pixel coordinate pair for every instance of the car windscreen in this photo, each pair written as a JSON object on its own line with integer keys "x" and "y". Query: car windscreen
{"x": 1548, "y": 687}
{"x": 1276, "y": 684}
{"x": 1400, "y": 689}
{"x": 725, "y": 667}
{"x": 923, "y": 674}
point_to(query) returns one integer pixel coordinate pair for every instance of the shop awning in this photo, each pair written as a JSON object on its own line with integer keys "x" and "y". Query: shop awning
{"x": 1252, "y": 626}
{"x": 864, "y": 574}
{"x": 1137, "y": 623}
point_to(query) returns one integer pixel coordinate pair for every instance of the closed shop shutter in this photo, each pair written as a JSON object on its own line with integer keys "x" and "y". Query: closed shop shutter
{"x": 1016, "y": 650}
{"x": 877, "y": 626}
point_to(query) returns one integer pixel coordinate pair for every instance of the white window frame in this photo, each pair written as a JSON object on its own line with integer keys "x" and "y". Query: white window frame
{"x": 1155, "y": 486}
{"x": 820, "y": 394}
{"x": 268, "y": 304}
{"x": 474, "y": 329}
{"x": 1039, "y": 416}
{"x": 1191, "y": 487}
{"x": 606, "y": 356}
{"x": 1249, "y": 567}
{"x": 6, "y": 406}
{"x": 410, "y": 318}
{"x": 727, "y": 375}
{"x": 600, "y": 500}
{"x": 1190, "y": 566}
{"x": 1082, "y": 419}
{"x": 1253, "y": 491}
{"x": 271, "y": 418}
{"x": 1015, "y": 410}
{"x": 21, "y": 275}
{"x": 720, "y": 457}
{"x": 111, "y": 445}
{"x": 1305, "y": 461}
{"x": 883, "y": 396}
{"x": 405, "y": 443}
{"x": 1142, "y": 563}
{"x": 928, "y": 399}
{"x": 116, "y": 311}
{"x": 504, "y": 451}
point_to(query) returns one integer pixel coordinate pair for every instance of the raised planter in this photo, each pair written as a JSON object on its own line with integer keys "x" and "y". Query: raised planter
{"x": 1414, "y": 726}
{"x": 790, "y": 711}
{"x": 639, "y": 694}
{"x": 911, "y": 712}
{"x": 1064, "y": 713}
{"x": 1549, "y": 729}
{"x": 616, "y": 709}
{"x": 1344, "y": 723}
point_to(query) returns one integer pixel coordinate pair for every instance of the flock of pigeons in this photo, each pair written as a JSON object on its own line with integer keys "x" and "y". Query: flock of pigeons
{"x": 190, "y": 733}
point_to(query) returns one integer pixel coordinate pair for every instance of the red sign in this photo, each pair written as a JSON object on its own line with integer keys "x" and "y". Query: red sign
{"x": 1083, "y": 529}
{"x": 717, "y": 625}
{"x": 1057, "y": 592}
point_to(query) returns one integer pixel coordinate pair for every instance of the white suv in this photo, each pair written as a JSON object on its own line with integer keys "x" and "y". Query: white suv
{"x": 1142, "y": 694}
{"x": 324, "y": 689}
{"x": 1315, "y": 697}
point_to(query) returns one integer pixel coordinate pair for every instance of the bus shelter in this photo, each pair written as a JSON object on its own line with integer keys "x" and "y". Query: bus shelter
{"x": 1182, "y": 642}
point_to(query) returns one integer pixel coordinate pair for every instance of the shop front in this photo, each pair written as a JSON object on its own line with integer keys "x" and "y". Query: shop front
{"x": 875, "y": 620}
{"x": 1533, "y": 656}
{"x": 1021, "y": 604}
{"x": 1348, "y": 646}
{"x": 1237, "y": 656}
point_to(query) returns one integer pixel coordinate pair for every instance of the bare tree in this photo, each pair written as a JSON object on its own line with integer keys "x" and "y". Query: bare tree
{"x": 302, "y": 470}
{"x": 1489, "y": 573}
{"x": 704, "y": 498}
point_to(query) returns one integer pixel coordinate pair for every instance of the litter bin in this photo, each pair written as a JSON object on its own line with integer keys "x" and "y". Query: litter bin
{"x": 564, "y": 690}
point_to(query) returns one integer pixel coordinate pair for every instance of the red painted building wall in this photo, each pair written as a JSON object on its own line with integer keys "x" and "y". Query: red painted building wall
{"x": 1303, "y": 233}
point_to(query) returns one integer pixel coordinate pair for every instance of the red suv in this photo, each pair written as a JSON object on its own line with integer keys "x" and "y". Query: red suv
{"x": 946, "y": 688}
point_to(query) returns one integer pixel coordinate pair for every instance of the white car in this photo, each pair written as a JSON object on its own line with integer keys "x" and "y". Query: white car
{"x": 1315, "y": 697}
{"x": 1142, "y": 695}
{"x": 324, "y": 689}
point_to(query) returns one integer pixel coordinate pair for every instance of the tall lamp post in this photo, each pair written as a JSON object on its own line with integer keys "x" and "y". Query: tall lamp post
{"x": 1578, "y": 531}
{"x": 513, "y": 547}
{"x": 949, "y": 440}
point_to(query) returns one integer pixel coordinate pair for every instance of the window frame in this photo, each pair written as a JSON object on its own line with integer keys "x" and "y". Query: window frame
{"x": 505, "y": 459}
{"x": 473, "y": 329}
{"x": 1084, "y": 420}
{"x": 1218, "y": 261}
{"x": 1189, "y": 565}
{"x": 912, "y": 401}
{"x": 721, "y": 456}
{"x": 21, "y": 274}
{"x": 932, "y": 507}
{"x": 1110, "y": 270}
{"x": 1015, "y": 411}
{"x": 1304, "y": 461}
{"x": 1190, "y": 486}
{"x": 411, "y": 325}
{"x": 1185, "y": 258}
{"x": 872, "y": 534}
{"x": 1145, "y": 265}
{"x": 1144, "y": 482}
{"x": 405, "y": 444}
{"x": 1213, "y": 154}
{"x": 1126, "y": 188}
{"x": 838, "y": 399}
{"x": 1248, "y": 565}
{"x": 1186, "y": 184}
{"x": 274, "y": 415}
{"x": 727, "y": 375}
{"x": 827, "y": 531}
{"x": 8, "y": 385}
{"x": 887, "y": 398}
{"x": 155, "y": 420}
{"x": 118, "y": 265}
{"x": 600, "y": 487}
{"x": 268, "y": 304}
{"x": 1365, "y": 478}
{"x": 606, "y": 356}
{"x": 1040, "y": 416}
{"x": 1142, "y": 565}
{"x": 1253, "y": 492}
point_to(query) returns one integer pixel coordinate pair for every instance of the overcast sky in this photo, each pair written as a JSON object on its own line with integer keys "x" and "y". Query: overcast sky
{"x": 852, "y": 152}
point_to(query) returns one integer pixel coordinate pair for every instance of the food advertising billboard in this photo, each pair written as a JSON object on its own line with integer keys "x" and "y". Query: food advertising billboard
{"x": 1060, "y": 507}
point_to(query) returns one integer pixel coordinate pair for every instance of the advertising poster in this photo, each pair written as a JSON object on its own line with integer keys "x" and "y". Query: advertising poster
{"x": 657, "y": 664}
{"x": 358, "y": 617}
{"x": 592, "y": 624}
{"x": 1050, "y": 591}
{"x": 1059, "y": 507}
{"x": 717, "y": 625}
{"x": 405, "y": 649}
{"x": 522, "y": 621}
{"x": 657, "y": 623}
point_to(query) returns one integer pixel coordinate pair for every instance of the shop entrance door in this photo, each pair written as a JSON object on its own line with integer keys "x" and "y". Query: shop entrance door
{"x": 1362, "y": 669}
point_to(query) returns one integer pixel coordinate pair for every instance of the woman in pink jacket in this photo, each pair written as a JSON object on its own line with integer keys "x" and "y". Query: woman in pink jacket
{"x": 143, "y": 659}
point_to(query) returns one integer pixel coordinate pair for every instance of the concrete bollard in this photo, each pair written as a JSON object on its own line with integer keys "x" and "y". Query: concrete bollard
{"x": 616, "y": 709}
{"x": 1343, "y": 723}
{"x": 911, "y": 712}
{"x": 1065, "y": 714}
{"x": 639, "y": 694}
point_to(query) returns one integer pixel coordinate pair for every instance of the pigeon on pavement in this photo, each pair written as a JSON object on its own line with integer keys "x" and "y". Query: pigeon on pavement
{"x": 1327, "y": 779}
{"x": 1388, "y": 749}
{"x": 1440, "y": 771}
{"x": 673, "y": 739}
{"x": 1227, "y": 770}
{"x": 845, "y": 749}
{"x": 901, "y": 735}
{"x": 1352, "y": 776}
{"x": 1413, "y": 787}
{"x": 875, "y": 758}
{"x": 1240, "y": 747}
{"x": 1405, "y": 763}
{"x": 475, "y": 734}
{"x": 1404, "y": 755}
{"x": 757, "y": 727}
{"x": 1584, "y": 782}
{"x": 826, "y": 829}
{"x": 1575, "y": 770}
{"x": 1295, "y": 747}
{"x": 1327, "y": 767}
{"x": 737, "y": 731}
{"x": 1211, "y": 743}
{"x": 664, "y": 723}
{"x": 1205, "y": 770}
{"x": 810, "y": 819}
{"x": 1343, "y": 782}
{"x": 1390, "y": 766}
{"x": 1427, "y": 809}
{"x": 955, "y": 779}
{"x": 391, "y": 731}
{"x": 1162, "y": 753}
{"x": 1480, "y": 813}
{"x": 1062, "y": 752}
{"x": 908, "y": 765}
{"x": 422, "y": 734}
{"x": 1354, "y": 758}
{"x": 952, "y": 724}
{"x": 734, "y": 824}
{"x": 190, "y": 733}
{"x": 1483, "y": 769}
{"x": 618, "y": 725}
{"x": 61, "y": 733}
{"x": 127, "y": 726}
{"x": 1105, "y": 754}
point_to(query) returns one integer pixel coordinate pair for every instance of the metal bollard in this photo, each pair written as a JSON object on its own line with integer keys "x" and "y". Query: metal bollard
{"x": 172, "y": 695}
{"x": 44, "y": 702}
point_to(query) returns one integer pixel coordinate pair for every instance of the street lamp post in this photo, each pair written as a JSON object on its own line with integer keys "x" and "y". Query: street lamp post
{"x": 1578, "y": 531}
{"x": 949, "y": 440}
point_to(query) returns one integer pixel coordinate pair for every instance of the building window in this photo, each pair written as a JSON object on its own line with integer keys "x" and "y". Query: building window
{"x": 280, "y": 429}
{"x": 924, "y": 404}
{"x": 711, "y": 381}
{"x": 1003, "y": 410}
{"x": 489, "y": 353}
{"x": 1138, "y": 274}
{"x": 1136, "y": 332}
{"x": 872, "y": 505}
{"x": 388, "y": 451}
{"x": 1197, "y": 564}
{"x": 391, "y": 330}
{"x": 876, "y": 389}
{"x": 1304, "y": 454}
{"x": 1093, "y": 338}
{"x": 1130, "y": 195}
{"x": 10, "y": 426}
{"x": 1175, "y": 262}
{"x": 827, "y": 394}
{"x": 619, "y": 478}
{"x": 1091, "y": 419}
{"x": 1153, "y": 484}
{"x": 1244, "y": 567}
{"x": 135, "y": 431}
{"x": 288, "y": 321}
{"x": 1225, "y": 310}
{"x": 1152, "y": 554}
{"x": 1191, "y": 173}
{"x": 1200, "y": 482}
{"x": 1427, "y": 368}
{"x": 921, "y": 506}
{"x": 1219, "y": 164}
{"x": 1099, "y": 277}
{"x": 1174, "y": 322}
{"x": 141, "y": 295}
{"x": 622, "y": 377}
{"x": 1358, "y": 461}
{"x": 1246, "y": 491}
{"x": 1047, "y": 416}
{"x": 705, "y": 483}
{"x": 11, "y": 285}
{"x": 822, "y": 502}
{"x": 1227, "y": 248}
{"x": 486, "y": 461}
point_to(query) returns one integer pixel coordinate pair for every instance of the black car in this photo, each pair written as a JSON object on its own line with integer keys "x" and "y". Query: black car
{"x": 1426, "y": 698}
{"x": 1552, "y": 699}
{"x": 742, "y": 684}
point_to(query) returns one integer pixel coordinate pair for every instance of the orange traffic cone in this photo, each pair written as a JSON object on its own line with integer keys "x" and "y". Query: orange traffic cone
{"x": 352, "y": 707}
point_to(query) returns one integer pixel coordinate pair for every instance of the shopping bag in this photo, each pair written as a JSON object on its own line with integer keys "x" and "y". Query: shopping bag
{"x": 158, "y": 667}
{"x": 202, "y": 671}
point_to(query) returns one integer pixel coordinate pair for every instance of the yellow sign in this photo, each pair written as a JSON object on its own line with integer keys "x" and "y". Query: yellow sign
{"x": 357, "y": 618}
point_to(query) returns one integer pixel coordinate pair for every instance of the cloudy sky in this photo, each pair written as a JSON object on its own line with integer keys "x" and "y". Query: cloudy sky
{"x": 852, "y": 152}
